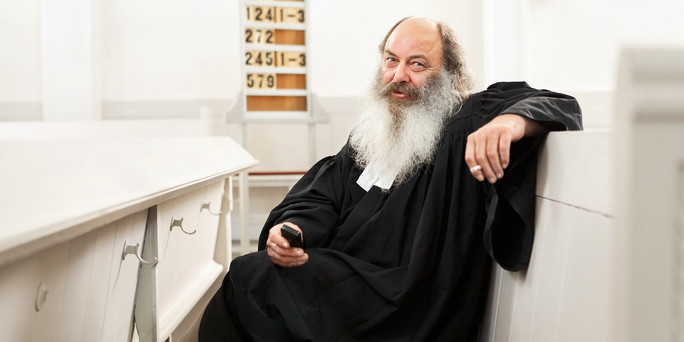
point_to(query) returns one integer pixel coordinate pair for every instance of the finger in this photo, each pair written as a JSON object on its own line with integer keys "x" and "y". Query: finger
{"x": 285, "y": 251}
{"x": 505, "y": 150}
{"x": 494, "y": 158}
{"x": 275, "y": 255}
{"x": 482, "y": 158}
{"x": 475, "y": 168}
{"x": 286, "y": 257}
{"x": 297, "y": 262}
{"x": 275, "y": 236}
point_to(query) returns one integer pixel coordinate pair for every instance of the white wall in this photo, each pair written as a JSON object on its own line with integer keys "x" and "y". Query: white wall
{"x": 575, "y": 44}
{"x": 170, "y": 58}
{"x": 170, "y": 50}
{"x": 20, "y": 70}
{"x": 183, "y": 50}
{"x": 20, "y": 58}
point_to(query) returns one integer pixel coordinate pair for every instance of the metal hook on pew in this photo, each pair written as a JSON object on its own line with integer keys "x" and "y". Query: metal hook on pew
{"x": 207, "y": 205}
{"x": 135, "y": 250}
{"x": 179, "y": 224}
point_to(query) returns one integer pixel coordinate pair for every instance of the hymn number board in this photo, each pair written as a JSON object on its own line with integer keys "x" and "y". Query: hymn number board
{"x": 275, "y": 56}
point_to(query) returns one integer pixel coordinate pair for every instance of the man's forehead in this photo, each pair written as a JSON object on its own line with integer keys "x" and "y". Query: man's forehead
{"x": 419, "y": 35}
{"x": 389, "y": 52}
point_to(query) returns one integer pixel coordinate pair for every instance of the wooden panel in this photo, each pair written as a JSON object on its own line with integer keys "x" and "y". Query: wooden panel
{"x": 275, "y": 81}
{"x": 268, "y": 14}
{"x": 32, "y": 295}
{"x": 260, "y": 36}
{"x": 113, "y": 181}
{"x": 260, "y": 81}
{"x": 286, "y": 59}
{"x": 198, "y": 264}
{"x": 276, "y": 103}
{"x": 100, "y": 276}
{"x": 186, "y": 266}
{"x": 271, "y": 36}
{"x": 260, "y": 14}
{"x": 291, "y": 81}
{"x": 561, "y": 180}
{"x": 290, "y": 15}
{"x": 290, "y": 37}
{"x": 650, "y": 159}
{"x": 78, "y": 290}
{"x": 123, "y": 277}
{"x": 558, "y": 298}
{"x": 174, "y": 243}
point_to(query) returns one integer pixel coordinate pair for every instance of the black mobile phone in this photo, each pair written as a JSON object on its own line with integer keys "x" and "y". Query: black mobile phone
{"x": 293, "y": 236}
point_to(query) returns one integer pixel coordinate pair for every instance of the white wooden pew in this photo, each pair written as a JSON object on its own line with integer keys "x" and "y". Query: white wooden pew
{"x": 608, "y": 258}
{"x": 566, "y": 292}
{"x": 95, "y": 227}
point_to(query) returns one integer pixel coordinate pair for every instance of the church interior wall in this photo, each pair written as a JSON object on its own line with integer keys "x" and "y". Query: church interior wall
{"x": 162, "y": 59}
{"x": 181, "y": 60}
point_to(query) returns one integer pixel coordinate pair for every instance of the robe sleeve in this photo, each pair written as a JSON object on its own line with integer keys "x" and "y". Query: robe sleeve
{"x": 314, "y": 201}
{"x": 510, "y": 203}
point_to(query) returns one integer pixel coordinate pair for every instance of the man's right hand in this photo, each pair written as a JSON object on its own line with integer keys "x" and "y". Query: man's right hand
{"x": 279, "y": 249}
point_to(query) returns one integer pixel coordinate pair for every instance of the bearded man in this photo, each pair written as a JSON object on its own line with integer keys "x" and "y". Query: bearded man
{"x": 400, "y": 227}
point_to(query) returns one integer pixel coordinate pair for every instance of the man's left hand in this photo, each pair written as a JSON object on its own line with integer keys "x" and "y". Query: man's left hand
{"x": 488, "y": 149}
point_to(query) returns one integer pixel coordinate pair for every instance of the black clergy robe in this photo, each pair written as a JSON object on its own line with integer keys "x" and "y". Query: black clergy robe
{"x": 409, "y": 264}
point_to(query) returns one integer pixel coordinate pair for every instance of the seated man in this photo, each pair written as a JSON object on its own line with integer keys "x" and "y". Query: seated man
{"x": 400, "y": 227}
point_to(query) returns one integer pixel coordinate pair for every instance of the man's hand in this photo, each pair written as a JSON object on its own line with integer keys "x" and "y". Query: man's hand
{"x": 279, "y": 249}
{"x": 488, "y": 149}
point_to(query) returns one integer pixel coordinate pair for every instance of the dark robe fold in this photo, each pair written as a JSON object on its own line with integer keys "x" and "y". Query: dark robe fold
{"x": 409, "y": 264}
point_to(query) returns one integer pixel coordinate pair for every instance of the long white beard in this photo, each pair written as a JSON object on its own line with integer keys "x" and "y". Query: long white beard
{"x": 401, "y": 139}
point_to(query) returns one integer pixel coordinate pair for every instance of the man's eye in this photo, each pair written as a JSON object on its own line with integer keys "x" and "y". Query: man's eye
{"x": 417, "y": 66}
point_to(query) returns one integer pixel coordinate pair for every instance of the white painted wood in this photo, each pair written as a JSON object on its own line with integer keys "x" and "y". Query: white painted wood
{"x": 180, "y": 309}
{"x": 33, "y": 222}
{"x": 585, "y": 311}
{"x": 69, "y": 205}
{"x": 536, "y": 303}
{"x": 169, "y": 291}
{"x": 98, "y": 277}
{"x": 80, "y": 268}
{"x": 186, "y": 268}
{"x": 650, "y": 117}
{"x": 208, "y": 225}
{"x": 88, "y": 298}
{"x": 123, "y": 279}
{"x": 607, "y": 260}
{"x": 19, "y": 285}
{"x": 223, "y": 253}
{"x": 566, "y": 292}
{"x": 577, "y": 168}
{"x": 188, "y": 329}
{"x": 51, "y": 130}
{"x": 146, "y": 295}
{"x": 175, "y": 247}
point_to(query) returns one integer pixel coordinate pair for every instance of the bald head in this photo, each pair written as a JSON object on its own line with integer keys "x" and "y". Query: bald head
{"x": 411, "y": 56}
{"x": 434, "y": 36}
{"x": 419, "y": 34}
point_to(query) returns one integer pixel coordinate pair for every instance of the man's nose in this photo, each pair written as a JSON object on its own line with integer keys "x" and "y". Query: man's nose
{"x": 400, "y": 75}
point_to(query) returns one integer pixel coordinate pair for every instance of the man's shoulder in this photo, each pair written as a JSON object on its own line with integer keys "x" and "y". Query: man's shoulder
{"x": 502, "y": 87}
{"x": 508, "y": 85}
